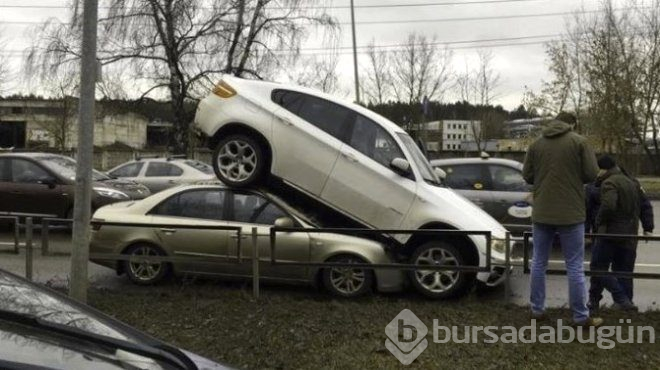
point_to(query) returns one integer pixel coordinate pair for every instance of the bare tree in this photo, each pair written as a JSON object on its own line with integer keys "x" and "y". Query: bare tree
{"x": 180, "y": 47}
{"x": 377, "y": 81}
{"x": 420, "y": 69}
{"x": 317, "y": 72}
{"x": 4, "y": 67}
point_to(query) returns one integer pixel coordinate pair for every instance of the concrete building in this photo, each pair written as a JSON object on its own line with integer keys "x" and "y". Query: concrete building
{"x": 524, "y": 127}
{"x": 457, "y": 132}
{"x": 37, "y": 123}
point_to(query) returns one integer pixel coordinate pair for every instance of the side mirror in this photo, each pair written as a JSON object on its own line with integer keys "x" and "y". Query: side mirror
{"x": 284, "y": 222}
{"x": 48, "y": 181}
{"x": 440, "y": 173}
{"x": 401, "y": 166}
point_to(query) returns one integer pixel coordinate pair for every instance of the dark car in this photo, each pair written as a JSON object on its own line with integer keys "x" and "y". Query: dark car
{"x": 43, "y": 329}
{"x": 43, "y": 183}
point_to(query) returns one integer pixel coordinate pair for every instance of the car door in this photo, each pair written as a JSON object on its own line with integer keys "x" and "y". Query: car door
{"x": 197, "y": 207}
{"x": 362, "y": 182}
{"x": 161, "y": 175}
{"x": 511, "y": 195}
{"x": 472, "y": 181}
{"x": 307, "y": 135}
{"x": 129, "y": 171}
{"x": 33, "y": 189}
{"x": 250, "y": 209}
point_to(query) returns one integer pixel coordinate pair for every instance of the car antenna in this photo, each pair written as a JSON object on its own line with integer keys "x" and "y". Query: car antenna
{"x": 484, "y": 155}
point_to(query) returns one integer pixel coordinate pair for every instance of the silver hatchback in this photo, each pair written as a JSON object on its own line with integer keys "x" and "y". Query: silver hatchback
{"x": 494, "y": 184}
{"x": 161, "y": 173}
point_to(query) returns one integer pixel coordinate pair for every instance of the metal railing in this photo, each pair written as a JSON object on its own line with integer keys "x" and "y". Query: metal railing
{"x": 594, "y": 237}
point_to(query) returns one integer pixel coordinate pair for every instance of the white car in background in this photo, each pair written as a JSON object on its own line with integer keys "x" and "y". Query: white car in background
{"x": 161, "y": 173}
{"x": 354, "y": 161}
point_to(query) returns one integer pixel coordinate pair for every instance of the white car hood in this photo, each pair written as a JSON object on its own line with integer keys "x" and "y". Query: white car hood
{"x": 465, "y": 215}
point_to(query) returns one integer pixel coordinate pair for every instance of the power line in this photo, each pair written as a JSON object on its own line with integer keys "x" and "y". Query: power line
{"x": 437, "y": 20}
{"x": 403, "y": 5}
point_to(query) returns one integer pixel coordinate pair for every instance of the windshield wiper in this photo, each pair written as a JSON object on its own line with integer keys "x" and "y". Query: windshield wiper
{"x": 158, "y": 352}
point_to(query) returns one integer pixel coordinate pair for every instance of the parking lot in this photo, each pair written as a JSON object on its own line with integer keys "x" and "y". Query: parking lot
{"x": 54, "y": 269}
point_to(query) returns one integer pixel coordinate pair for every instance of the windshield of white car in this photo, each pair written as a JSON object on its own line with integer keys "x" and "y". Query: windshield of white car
{"x": 200, "y": 166}
{"x": 67, "y": 167}
{"x": 420, "y": 161}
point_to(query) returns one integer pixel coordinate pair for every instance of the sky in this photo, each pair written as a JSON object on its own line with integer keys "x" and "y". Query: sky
{"x": 520, "y": 59}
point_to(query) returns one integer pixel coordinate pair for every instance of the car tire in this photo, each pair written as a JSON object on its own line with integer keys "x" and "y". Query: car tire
{"x": 146, "y": 273}
{"x": 239, "y": 160}
{"x": 437, "y": 284}
{"x": 347, "y": 282}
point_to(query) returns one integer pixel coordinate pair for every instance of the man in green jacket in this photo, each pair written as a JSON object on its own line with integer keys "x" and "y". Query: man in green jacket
{"x": 558, "y": 165}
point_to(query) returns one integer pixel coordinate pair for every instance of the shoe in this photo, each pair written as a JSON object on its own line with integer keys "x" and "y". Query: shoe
{"x": 625, "y": 306}
{"x": 592, "y": 321}
{"x": 593, "y": 306}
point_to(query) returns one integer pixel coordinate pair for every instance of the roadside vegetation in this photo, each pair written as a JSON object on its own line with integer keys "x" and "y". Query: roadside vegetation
{"x": 300, "y": 328}
{"x": 651, "y": 186}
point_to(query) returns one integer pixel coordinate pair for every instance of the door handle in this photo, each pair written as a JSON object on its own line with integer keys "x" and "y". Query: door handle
{"x": 286, "y": 120}
{"x": 236, "y": 237}
{"x": 168, "y": 231}
{"x": 172, "y": 181}
{"x": 350, "y": 156}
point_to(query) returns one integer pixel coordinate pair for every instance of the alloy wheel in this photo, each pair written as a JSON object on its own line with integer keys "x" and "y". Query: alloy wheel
{"x": 237, "y": 160}
{"x": 145, "y": 270}
{"x": 347, "y": 280}
{"x": 437, "y": 281}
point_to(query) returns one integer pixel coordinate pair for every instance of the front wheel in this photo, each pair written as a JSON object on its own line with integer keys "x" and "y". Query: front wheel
{"x": 345, "y": 281}
{"x": 146, "y": 272}
{"x": 440, "y": 284}
{"x": 239, "y": 160}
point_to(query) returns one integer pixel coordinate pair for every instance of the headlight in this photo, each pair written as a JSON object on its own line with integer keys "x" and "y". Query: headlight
{"x": 111, "y": 193}
{"x": 498, "y": 245}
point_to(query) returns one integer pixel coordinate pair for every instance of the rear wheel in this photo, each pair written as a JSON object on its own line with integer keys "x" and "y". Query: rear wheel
{"x": 440, "y": 284}
{"x": 239, "y": 160}
{"x": 345, "y": 281}
{"x": 146, "y": 272}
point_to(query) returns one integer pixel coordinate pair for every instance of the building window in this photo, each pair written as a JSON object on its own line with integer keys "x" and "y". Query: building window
{"x": 16, "y": 110}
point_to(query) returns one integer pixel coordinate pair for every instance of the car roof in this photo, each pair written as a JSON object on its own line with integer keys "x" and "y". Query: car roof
{"x": 30, "y": 154}
{"x": 473, "y": 160}
{"x": 358, "y": 108}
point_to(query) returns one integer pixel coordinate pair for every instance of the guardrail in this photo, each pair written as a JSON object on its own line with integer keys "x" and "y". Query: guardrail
{"x": 593, "y": 236}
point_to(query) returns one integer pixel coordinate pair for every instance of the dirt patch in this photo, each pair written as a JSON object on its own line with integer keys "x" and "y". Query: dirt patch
{"x": 301, "y": 328}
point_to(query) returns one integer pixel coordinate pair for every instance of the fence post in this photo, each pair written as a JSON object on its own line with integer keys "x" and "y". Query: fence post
{"x": 17, "y": 234}
{"x": 507, "y": 266}
{"x": 45, "y": 229}
{"x": 28, "y": 248}
{"x": 255, "y": 264}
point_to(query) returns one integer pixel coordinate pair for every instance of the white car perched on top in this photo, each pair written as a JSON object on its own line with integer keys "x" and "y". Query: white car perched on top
{"x": 355, "y": 162}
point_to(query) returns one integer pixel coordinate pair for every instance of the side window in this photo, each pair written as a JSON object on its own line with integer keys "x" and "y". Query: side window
{"x": 466, "y": 177}
{"x": 27, "y": 172}
{"x": 162, "y": 169}
{"x": 329, "y": 117}
{"x": 5, "y": 173}
{"x": 129, "y": 170}
{"x": 250, "y": 208}
{"x": 507, "y": 179}
{"x": 290, "y": 100}
{"x": 206, "y": 204}
{"x": 373, "y": 141}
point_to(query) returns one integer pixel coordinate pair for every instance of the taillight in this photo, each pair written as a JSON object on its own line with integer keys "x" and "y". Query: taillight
{"x": 223, "y": 90}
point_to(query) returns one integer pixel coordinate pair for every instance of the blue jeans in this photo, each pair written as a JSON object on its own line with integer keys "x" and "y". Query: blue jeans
{"x": 571, "y": 238}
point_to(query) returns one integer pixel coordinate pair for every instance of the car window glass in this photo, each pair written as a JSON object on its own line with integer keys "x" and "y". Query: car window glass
{"x": 507, "y": 179}
{"x": 27, "y": 172}
{"x": 252, "y": 208}
{"x": 467, "y": 177}
{"x": 207, "y": 204}
{"x": 325, "y": 115}
{"x": 163, "y": 169}
{"x": 290, "y": 100}
{"x": 129, "y": 170}
{"x": 5, "y": 174}
{"x": 373, "y": 141}
{"x": 200, "y": 166}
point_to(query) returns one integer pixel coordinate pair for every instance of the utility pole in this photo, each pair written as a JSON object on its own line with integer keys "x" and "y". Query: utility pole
{"x": 355, "y": 63}
{"x": 85, "y": 151}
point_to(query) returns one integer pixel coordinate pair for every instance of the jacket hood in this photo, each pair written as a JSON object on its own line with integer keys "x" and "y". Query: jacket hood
{"x": 603, "y": 176}
{"x": 556, "y": 128}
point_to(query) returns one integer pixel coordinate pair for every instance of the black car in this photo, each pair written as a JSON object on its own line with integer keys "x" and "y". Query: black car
{"x": 43, "y": 183}
{"x": 43, "y": 329}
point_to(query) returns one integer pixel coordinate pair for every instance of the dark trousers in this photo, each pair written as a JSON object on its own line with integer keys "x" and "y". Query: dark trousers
{"x": 620, "y": 256}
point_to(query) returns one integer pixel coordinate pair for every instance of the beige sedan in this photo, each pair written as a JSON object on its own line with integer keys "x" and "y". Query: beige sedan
{"x": 170, "y": 211}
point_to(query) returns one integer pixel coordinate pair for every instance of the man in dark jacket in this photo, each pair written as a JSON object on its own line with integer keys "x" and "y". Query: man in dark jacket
{"x": 559, "y": 164}
{"x": 617, "y": 209}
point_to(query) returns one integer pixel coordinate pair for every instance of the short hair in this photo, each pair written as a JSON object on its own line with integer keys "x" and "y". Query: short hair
{"x": 566, "y": 117}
